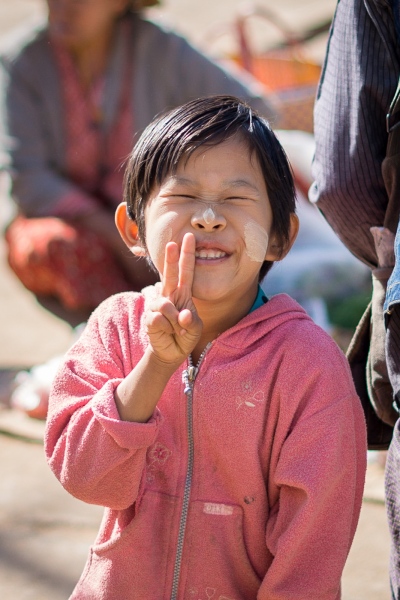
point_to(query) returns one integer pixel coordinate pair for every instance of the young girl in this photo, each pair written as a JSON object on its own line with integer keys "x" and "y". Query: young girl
{"x": 220, "y": 430}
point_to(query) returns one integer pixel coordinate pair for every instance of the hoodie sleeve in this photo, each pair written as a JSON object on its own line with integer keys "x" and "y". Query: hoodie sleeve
{"x": 97, "y": 457}
{"x": 319, "y": 479}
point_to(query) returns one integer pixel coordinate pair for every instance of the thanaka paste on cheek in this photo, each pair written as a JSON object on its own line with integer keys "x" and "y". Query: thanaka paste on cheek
{"x": 256, "y": 240}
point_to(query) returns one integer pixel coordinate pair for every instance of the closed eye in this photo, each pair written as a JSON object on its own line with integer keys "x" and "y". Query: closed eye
{"x": 171, "y": 199}
{"x": 240, "y": 199}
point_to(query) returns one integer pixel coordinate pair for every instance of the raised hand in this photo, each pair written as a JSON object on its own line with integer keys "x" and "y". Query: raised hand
{"x": 173, "y": 325}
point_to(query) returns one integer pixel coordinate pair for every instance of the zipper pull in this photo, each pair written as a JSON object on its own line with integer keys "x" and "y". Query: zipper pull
{"x": 192, "y": 372}
{"x": 188, "y": 377}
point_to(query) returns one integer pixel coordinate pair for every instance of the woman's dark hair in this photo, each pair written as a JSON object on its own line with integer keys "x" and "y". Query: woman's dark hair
{"x": 209, "y": 121}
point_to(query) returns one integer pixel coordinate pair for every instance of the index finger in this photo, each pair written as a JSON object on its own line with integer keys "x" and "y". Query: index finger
{"x": 170, "y": 276}
{"x": 187, "y": 262}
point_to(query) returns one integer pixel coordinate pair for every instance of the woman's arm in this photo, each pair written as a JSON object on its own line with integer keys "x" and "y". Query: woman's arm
{"x": 32, "y": 135}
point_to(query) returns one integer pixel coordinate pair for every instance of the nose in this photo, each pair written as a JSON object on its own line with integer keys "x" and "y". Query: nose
{"x": 208, "y": 220}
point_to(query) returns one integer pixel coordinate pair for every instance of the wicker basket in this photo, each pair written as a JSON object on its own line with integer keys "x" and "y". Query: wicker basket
{"x": 292, "y": 78}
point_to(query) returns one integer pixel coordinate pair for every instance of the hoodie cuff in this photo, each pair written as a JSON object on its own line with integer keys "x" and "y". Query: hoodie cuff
{"x": 126, "y": 434}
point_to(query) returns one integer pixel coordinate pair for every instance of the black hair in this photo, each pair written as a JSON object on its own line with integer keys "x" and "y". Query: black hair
{"x": 209, "y": 121}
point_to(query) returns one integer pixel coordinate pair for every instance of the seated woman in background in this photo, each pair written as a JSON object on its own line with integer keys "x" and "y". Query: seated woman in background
{"x": 77, "y": 91}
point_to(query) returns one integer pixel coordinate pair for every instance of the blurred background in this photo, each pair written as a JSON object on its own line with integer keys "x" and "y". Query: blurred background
{"x": 319, "y": 272}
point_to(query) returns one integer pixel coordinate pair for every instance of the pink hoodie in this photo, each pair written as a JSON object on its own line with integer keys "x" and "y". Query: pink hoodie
{"x": 248, "y": 488}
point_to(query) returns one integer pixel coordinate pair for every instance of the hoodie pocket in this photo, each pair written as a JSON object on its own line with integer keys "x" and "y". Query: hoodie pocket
{"x": 135, "y": 563}
{"x": 219, "y": 565}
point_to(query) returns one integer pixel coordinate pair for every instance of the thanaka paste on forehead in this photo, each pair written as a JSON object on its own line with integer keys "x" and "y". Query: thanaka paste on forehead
{"x": 256, "y": 240}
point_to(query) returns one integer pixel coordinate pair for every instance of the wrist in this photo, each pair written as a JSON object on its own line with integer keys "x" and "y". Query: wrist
{"x": 160, "y": 365}
{"x": 138, "y": 394}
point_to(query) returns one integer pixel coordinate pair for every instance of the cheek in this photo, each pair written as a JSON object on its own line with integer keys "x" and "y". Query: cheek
{"x": 158, "y": 237}
{"x": 256, "y": 240}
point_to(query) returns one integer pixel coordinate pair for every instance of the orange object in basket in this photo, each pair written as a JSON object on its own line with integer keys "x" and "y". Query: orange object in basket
{"x": 291, "y": 78}
{"x": 281, "y": 74}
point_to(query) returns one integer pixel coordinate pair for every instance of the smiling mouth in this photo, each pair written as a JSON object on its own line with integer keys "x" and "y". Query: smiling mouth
{"x": 210, "y": 254}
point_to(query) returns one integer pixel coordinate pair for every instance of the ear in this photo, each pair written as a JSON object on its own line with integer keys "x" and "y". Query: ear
{"x": 128, "y": 230}
{"x": 275, "y": 251}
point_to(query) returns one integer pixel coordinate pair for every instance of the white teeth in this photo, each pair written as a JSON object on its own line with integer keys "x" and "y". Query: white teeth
{"x": 209, "y": 254}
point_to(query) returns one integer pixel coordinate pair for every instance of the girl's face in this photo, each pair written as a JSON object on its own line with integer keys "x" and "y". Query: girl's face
{"x": 218, "y": 194}
{"x": 75, "y": 23}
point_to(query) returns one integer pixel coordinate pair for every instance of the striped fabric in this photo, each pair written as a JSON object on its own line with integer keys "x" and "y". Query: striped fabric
{"x": 358, "y": 82}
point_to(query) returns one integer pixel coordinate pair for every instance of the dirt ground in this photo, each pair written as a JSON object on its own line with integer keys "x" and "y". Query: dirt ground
{"x": 45, "y": 533}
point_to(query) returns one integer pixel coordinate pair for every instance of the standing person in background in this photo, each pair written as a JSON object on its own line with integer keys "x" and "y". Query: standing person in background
{"x": 74, "y": 94}
{"x": 356, "y": 170}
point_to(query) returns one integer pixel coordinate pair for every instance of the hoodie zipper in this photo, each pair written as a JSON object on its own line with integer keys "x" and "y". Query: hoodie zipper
{"x": 188, "y": 378}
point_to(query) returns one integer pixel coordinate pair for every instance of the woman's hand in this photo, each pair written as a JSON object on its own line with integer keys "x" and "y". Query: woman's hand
{"x": 173, "y": 325}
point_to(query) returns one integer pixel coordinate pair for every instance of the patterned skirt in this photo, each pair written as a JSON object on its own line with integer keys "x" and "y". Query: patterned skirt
{"x": 72, "y": 264}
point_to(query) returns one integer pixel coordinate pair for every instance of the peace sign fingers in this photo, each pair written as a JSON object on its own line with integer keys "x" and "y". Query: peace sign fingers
{"x": 173, "y": 325}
